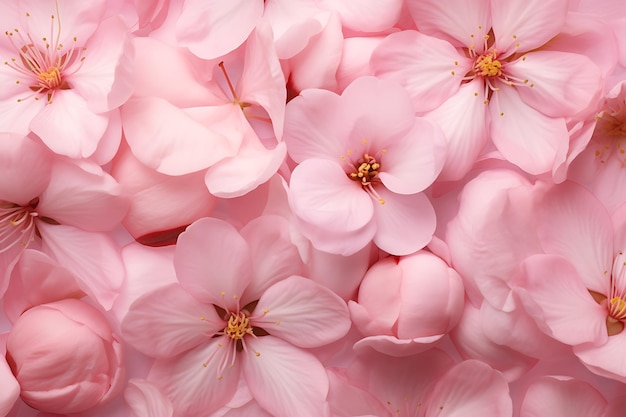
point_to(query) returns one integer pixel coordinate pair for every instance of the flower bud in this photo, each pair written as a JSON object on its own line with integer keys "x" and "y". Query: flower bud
{"x": 65, "y": 357}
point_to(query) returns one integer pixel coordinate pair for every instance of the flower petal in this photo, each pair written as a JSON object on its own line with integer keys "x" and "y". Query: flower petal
{"x": 563, "y": 397}
{"x": 285, "y": 381}
{"x": 169, "y": 321}
{"x": 302, "y": 312}
{"x": 146, "y": 400}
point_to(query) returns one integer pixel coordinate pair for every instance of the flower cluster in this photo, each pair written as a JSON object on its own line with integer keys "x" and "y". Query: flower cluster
{"x": 312, "y": 208}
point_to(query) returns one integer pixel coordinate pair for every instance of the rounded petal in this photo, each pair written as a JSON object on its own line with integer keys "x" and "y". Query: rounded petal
{"x": 285, "y": 381}
{"x": 563, "y": 397}
{"x": 404, "y": 223}
{"x": 10, "y": 388}
{"x": 559, "y": 83}
{"x": 146, "y": 400}
{"x": 605, "y": 360}
{"x": 430, "y": 69}
{"x": 212, "y": 262}
{"x": 302, "y": 312}
{"x": 169, "y": 321}
{"x": 366, "y": 16}
{"x": 524, "y": 136}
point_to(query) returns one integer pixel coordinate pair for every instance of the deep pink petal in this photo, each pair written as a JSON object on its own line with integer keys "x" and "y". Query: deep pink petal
{"x": 213, "y": 263}
{"x": 529, "y": 23}
{"x": 92, "y": 257}
{"x": 83, "y": 197}
{"x": 274, "y": 257}
{"x": 563, "y": 397}
{"x": 176, "y": 141}
{"x": 322, "y": 196}
{"x": 214, "y": 28}
{"x": 68, "y": 126}
{"x": 25, "y": 168}
{"x": 569, "y": 311}
{"x": 559, "y": 83}
{"x": 169, "y": 321}
{"x": 10, "y": 387}
{"x": 349, "y": 399}
{"x": 523, "y": 135}
{"x": 582, "y": 232}
{"x": 146, "y": 400}
{"x": 302, "y": 312}
{"x": 285, "y": 381}
{"x": 430, "y": 69}
{"x": 404, "y": 223}
{"x": 485, "y": 393}
{"x": 194, "y": 381}
{"x": 455, "y": 20}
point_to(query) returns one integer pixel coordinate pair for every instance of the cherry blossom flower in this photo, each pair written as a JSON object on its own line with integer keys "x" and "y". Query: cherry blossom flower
{"x": 363, "y": 161}
{"x": 66, "y": 68}
{"x": 485, "y": 70}
{"x": 62, "y": 208}
{"x": 237, "y": 311}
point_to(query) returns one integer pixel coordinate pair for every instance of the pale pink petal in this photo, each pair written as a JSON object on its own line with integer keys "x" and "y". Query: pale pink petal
{"x": 322, "y": 196}
{"x": 430, "y": 69}
{"x": 285, "y": 381}
{"x": 316, "y": 65}
{"x": 313, "y": 124}
{"x": 169, "y": 321}
{"x": 355, "y": 59}
{"x": 213, "y": 263}
{"x": 349, "y": 399}
{"x": 262, "y": 80}
{"x": 89, "y": 199}
{"x": 563, "y": 301}
{"x": 68, "y": 126}
{"x": 392, "y": 346}
{"x": 274, "y": 256}
{"x": 463, "y": 119}
{"x": 194, "y": 382}
{"x": 486, "y": 392}
{"x": 559, "y": 83}
{"x": 582, "y": 232}
{"x": 412, "y": 162}
{"x": 19, "y": 110}
{"x": 366, "y": 15}
{"x": 110, "y": 141}
{"x": 563, "y": 397}
{"x": 105, "y": 77}
{"x": 25, "y": 168}
{"x": 92, "y": 257}
{"x": 619, "y": 227}
{"x": 10, "y": 391}
{"x": 175, "y": 141}
{"x": 606, "y": 360}
{"x": 253, "y": 165}
{"x": 523, "y": 135}
{"x": 302, "y": 312}
{"x": 213, "y": 28}
{"x": 526, "y": 24}
{"x": 404, "y": 223}
{"x": 146, "y": 400}
{"x": 455, "y": 20}
{"x": 37, "y": 279}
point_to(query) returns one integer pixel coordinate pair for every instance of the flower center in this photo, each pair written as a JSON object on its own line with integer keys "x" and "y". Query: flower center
{"x": 487, "y": 65}
{"x": 366, "y": 171}
{"x": 44, "y": 65}
{"x": 610, "y": 132}
{"x": 17, "y": 224}
{"x": 238, "y": 326}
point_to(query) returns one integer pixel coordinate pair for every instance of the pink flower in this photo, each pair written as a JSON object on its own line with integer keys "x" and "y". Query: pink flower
{"x": 490, "y": 72}
{"x": 66, "y": 67}
{"x": 363, "y": 161}
{"x": 65, "y": 357}
{"x": 63, "y": 208}
{"x": 237, "y": 311}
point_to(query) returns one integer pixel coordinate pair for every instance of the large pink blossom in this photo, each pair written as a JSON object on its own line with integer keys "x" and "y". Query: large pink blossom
{"x": 67, "y": 67}
{"x": 485, "y": 70}
{"x": 363, "y": 161}
{"x": 237, "y": 311}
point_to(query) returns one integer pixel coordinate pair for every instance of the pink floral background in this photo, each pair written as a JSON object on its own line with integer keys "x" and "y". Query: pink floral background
{"x": 312, "y": 208}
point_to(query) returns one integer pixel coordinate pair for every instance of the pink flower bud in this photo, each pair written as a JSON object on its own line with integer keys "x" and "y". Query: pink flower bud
{"x": 65, "y": 357}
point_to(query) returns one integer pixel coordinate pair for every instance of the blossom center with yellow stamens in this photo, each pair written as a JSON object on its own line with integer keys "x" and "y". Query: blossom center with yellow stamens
{"x": 238, "y": 326}
{"x": 366, "y": 171}
{"x": 17, "y": 224}
{"x": 487, "y": 65}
